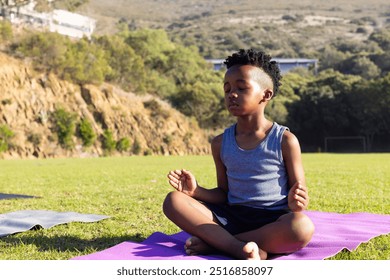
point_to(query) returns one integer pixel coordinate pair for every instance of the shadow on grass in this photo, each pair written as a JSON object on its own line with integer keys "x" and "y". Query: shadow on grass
{"x": 65, "y": 243}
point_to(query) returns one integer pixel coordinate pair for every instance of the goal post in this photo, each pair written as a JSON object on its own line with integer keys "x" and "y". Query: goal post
{"x": 345, "y": 144}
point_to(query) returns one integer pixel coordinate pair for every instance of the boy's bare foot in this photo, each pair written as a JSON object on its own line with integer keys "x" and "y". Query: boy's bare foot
{"x": 253, "y": 252}
{"x": 196, "y": 246}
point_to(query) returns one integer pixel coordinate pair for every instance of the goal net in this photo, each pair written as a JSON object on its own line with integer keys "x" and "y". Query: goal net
{"x": 345, "y": 144}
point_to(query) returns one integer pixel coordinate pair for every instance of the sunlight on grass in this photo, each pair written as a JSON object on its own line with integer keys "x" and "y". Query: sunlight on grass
{"x": 131, "y": 190}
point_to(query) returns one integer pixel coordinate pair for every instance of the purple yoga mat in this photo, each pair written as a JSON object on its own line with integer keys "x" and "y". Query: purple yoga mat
{"x": 333, "y": 233}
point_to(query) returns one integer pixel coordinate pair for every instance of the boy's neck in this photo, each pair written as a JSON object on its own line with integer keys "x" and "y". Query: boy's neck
{"x": 250, "y": 124}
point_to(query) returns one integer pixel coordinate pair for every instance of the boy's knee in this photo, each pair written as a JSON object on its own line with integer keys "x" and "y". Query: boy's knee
{"x": 303, "y": 228}
{"x": 170, "y": 202}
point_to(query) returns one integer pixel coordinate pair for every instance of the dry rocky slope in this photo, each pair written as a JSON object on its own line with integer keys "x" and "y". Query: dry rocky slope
{"x": 28, "y": 100}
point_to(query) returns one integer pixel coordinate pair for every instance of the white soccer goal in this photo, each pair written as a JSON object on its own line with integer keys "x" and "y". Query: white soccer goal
{"x": 345, "y": 144}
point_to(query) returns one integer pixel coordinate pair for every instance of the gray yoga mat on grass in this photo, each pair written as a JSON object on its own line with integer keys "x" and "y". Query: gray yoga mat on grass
{"x": 12, "y": 196}
{"x": 24, "y": 220}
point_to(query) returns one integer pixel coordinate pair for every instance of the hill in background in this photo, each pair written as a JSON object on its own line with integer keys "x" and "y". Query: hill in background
{"x": 285, "y": 28}
{"x": 39, "y": 109}
{"x": 49, "y": 117}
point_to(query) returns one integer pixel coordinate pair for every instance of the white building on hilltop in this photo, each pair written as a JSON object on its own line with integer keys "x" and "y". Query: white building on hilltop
{"x": 71, "y": 24}
{"x": 60, "y": 21}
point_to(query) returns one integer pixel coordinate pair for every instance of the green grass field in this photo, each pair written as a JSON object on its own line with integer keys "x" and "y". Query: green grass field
{"x": 131, "y": 191}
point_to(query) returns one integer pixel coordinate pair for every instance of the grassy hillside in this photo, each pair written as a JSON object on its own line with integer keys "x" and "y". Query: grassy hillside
{"x": 352, "y": 39}
{"x": 286, "y": 28}
{"x": 45, "y": 116}
{"x": 167, "y": 11}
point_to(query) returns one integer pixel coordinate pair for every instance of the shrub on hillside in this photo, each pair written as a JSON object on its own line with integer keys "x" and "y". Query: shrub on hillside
{"x": 123, "y": 145}
{"x": 86, "y": 132}
{"x": 108, "y": 141}
{"x": 5, "y": 31}
{"x": 34, "y": 138}
{"x": 137, "y": 149}
{"x": 5, "y": 137}
{"x": 156, "y": 109}
{"x": 64, "y": 126}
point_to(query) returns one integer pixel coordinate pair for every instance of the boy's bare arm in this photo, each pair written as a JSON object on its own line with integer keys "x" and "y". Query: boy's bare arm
{"x": 298, "y": 198}
{"x": 220, "y": 193}
{"x": 220, "y": 168}
{"x": 184, "y": 181}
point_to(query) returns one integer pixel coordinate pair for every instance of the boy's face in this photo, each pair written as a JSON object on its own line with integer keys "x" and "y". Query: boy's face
{"x": 246, "y": 87}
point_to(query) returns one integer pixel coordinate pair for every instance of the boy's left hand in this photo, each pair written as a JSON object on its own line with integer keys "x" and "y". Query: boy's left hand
{"x": 298, "y": 198}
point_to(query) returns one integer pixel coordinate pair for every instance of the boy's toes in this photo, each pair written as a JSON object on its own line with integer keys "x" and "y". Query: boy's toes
{"x": 253, "y": 252}
{"x": 196, "y": 246}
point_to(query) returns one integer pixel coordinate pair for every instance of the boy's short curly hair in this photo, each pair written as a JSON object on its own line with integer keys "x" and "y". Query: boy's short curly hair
{"x": 258, "y": 59}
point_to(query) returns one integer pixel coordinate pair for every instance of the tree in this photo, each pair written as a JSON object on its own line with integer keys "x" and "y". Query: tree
{"x": 198, "y": 100}
{"x": 382, "y": 38}
{"x": 360, "y": 65}
{"x": 155, "y": 48}
{"x": 81, "y": 62}
{"x": 293, "y": 83}
{"x": 151, "y": 45}
{"x": 370, "y": 108}
{"x": 330, "y": 57}
{"x": 322, "y": 109}
{"x": 382, "y": 61}
{"x": 85, "y": 63}
{"x": 47, "y": 50}
{"x": 127, "y": 67}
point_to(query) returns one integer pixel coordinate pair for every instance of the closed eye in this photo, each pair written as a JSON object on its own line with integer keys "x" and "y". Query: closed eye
{"x": 226, "y": 88}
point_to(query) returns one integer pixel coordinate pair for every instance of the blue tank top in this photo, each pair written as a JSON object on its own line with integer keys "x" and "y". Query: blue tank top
{"x": 256, "y": 177}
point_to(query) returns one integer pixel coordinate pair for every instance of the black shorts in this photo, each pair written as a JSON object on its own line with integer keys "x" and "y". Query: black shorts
{"x": 237, "y": 218}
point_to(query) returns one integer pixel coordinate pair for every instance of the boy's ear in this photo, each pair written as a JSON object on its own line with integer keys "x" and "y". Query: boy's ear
{"x": 268, "y": 94}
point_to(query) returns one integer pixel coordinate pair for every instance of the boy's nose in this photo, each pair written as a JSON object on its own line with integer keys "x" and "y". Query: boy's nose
{"x": 233, "y": 94}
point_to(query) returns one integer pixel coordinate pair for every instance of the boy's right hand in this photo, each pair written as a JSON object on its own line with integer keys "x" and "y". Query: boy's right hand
{"x": 183, "y": 181}
{"x": 298, "y": 198}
